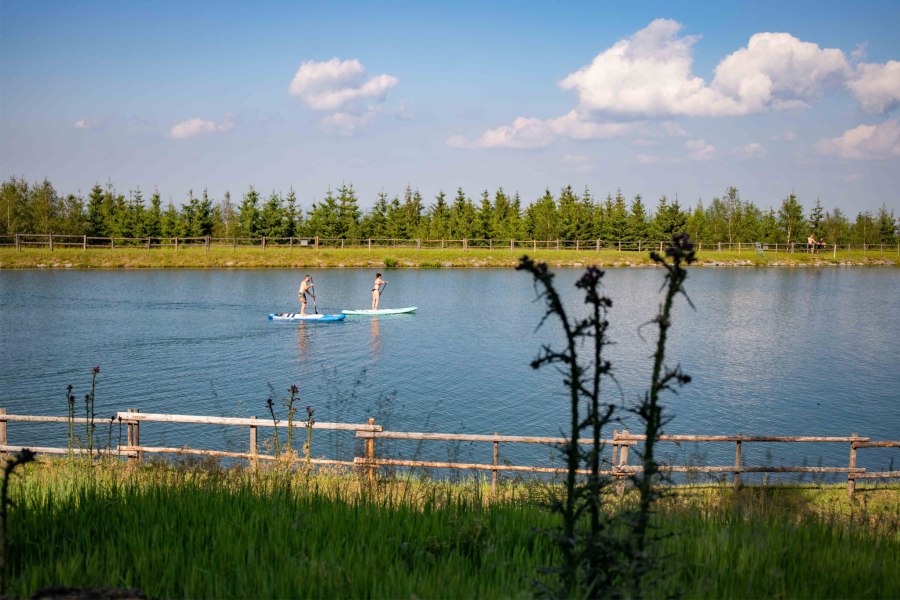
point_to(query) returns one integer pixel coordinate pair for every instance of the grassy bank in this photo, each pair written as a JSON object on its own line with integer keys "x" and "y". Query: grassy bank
{"x": 307, "y": 258}
{"x": 188, "y": 532}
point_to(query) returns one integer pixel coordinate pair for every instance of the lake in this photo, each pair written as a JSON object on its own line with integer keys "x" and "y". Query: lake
{"x": 811, "y": 351}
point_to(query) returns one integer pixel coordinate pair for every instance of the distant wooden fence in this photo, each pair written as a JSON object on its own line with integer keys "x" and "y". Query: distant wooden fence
{"x": 54, "y": 241}
{"x": 370, "y": 432}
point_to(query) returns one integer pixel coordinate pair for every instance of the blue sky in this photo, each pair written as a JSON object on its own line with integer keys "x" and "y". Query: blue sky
{"x": 681, "y": 99}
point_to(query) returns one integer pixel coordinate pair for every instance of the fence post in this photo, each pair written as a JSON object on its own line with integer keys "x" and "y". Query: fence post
{"x": 465, "y": 245}
{"x": 370, "y": 244}
{"x": 512, "y": 245}
{"x": 342, "y": 243}
{"x": 317, "y": 243}
{"x": 620, "y": 245}
{"x": 598, "y": 245}
{"x": 129, "y": 439}
{"x": 253, "y": 445}
{"x": 720, "y": 246}
{"x": 496, "y": 463}
{"x": 737, "y": 462}
{"x": 3, "y": 439}
{"x": 18, "y": 244}
{"x": 176, "y": 244}
{"x": 264, "y": 242}
{"x": 851, "y": 477}
{"x": 370, "y": 453}
{"x": 51, "y": 242}
{"x": 834, "y": 254}
{"x": 623, "y": 462}
{"x": 418, "y": 243}
{"x": 739, "y": 247}
{"x": 207, "y": 243}
{"x": 557, "y": 243}
{"x": 576, "y": 245}
{"x": 84, "y": 242}
{"x": 137, "y": 436}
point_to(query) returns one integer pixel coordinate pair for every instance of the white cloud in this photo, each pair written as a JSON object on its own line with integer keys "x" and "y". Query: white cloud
{"x": 866, "y": 142}
{"x": 531, "y": 132}
{"x": 197, "y": 126}
{"x": 787, "y": 136}
{"x": 347, "y": 124}
{"x": 578, "y": 163}
{"x": 859, "y": 53}
{"x": 700, "y": 150}
{"x": 88, "y": 124}
{"x": 651, "y": 74}
{"x": 752, "y": 150}
{"x": 333, "y": 85}
{"x": 777, "y": 70}
{"x": 877, "y": 87}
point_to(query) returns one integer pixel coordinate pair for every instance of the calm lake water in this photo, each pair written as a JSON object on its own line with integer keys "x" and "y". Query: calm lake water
{"x": 771, "y": 352}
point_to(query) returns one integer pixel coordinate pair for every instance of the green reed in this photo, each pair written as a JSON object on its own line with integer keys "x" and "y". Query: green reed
{"x": 207, "y": 531}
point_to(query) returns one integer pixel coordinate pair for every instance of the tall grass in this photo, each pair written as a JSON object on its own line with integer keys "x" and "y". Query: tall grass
{"x": 208, "y": 532}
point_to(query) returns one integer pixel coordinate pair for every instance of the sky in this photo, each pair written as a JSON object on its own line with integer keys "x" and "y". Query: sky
{"x": 654, "y": 98}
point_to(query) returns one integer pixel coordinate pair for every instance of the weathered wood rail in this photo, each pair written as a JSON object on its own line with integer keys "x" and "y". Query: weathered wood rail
{"x": 52, "y": 241}
{"x": 618, "y": 466}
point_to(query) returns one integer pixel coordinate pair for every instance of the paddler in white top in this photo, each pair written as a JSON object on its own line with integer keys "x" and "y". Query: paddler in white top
{"x": 376, "y": 290}
{"x": 305, "y": 287}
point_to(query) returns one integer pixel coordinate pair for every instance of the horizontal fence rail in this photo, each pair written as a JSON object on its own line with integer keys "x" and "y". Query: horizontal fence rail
{"x": 53, "y": 241}
{"x": 370, "y": 432}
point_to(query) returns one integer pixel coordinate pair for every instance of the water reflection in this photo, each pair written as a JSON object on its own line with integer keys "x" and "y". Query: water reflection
{"x": 302, "y": 341}
{"x": 376, "y": 338}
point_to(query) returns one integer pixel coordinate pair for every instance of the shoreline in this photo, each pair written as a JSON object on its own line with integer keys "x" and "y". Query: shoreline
{"x": 405, "y": 258}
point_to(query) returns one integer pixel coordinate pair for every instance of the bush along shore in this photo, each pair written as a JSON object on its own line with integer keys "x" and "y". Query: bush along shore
{"x": 193, "y": 257}
{"x": 175, "y": 531}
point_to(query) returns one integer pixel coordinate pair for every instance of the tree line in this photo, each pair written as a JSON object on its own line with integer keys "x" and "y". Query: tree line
{"x": 568, "y": 215}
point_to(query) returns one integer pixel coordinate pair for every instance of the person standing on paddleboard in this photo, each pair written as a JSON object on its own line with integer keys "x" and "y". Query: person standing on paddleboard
{"x": 305, "y": 288}
{"x": 376, "y": 290}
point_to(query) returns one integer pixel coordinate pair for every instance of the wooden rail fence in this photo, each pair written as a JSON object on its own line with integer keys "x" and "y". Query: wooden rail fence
{"x": 369, "y": 432}
{"x": 85, "y": 242}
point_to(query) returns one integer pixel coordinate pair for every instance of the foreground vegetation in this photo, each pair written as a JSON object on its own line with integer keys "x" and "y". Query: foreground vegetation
{"x": 202, "y": 531}
{"x": 275, "y": 257}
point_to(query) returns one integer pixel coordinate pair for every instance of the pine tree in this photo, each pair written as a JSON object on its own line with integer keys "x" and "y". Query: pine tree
{"x": 485, "y": 213}
{"x": 293, "y": 216}
{"x": 324, "y": 219}
{"x": 153, "y": 217}
{"x": 887, "y": 226}
{"x": 836, "y": 227}
{"x": 348, "y": 212}
{"x": 271, "y": 217}
{"x": 439, "y": 218}
{"x": 638, "y": 228}
{"x": 543, "y": 218}
{"x": 816, "y": 218}
{"x": 248, "y": 215}
{"x": 463, "y": 217}
{"x": 697, "y": 224}
{"x": 96, "y": 213}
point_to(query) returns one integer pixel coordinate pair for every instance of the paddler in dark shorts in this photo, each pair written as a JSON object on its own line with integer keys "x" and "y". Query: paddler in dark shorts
{"x": 305, "y": 287}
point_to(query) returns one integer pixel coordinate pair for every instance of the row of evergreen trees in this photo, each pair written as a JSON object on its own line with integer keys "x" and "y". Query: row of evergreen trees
{"x": 38, "y": 208}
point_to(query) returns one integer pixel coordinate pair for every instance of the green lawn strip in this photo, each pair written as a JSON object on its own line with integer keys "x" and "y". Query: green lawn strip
{"x": 378, "y": 258}
{"x": 191, "y": 533}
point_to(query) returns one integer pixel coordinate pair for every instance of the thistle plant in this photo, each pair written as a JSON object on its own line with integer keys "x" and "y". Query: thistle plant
{"x": 605, "y": 553}
{"x": 307, "y": 446}
{"x": 89, "y": 399}
{"x": 586, "y": 540}
{"x": 70, "y": 419}
{"x": 291, "y": 411}
{"x": 271, "y": 406}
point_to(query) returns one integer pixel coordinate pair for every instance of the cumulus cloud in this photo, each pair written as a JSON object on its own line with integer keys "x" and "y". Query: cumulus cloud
{"x": 877, "y": 87}
{"x": 334, "y": 84}
{"x": 866, "y": 142}
{"x": 88, "y": 124}
{"x": 197, "y": 126}
{"x": 531, "y": 132}
{"x": 651, "y": 74}
{"x": 752, "y": 150}
{"x": 700, "y": 150}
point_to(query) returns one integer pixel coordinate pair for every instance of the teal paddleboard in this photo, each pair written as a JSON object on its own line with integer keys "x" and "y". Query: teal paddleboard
{"x": 381, "y": 311}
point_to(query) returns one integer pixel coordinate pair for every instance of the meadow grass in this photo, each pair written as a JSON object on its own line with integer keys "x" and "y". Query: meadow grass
{"x": 378, "y": 258}
{"x": 203, "y": 531}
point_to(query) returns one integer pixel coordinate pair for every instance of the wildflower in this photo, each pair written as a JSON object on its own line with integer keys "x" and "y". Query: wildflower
{"x": 96, "y": 369}
{"x": 293, "y": 389}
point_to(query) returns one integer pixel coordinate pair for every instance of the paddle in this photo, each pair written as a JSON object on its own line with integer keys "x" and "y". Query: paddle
{"x": 315, "y": 308}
